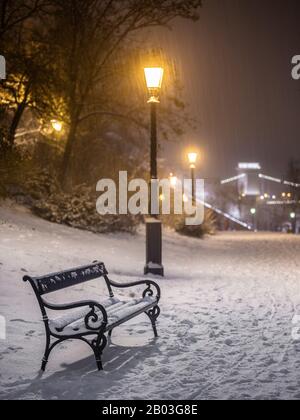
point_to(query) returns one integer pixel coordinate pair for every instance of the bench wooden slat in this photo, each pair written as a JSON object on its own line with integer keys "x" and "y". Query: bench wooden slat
{"x": 64, "y": 279}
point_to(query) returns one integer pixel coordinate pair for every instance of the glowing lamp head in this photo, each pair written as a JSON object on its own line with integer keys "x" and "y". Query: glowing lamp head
{"x": 173, "y": 180}
{"x": 57, "y": 125}
{"x": 293, "y": 215}
{"x": 193, "y": 158}
{"x": 154, "y": 78}
{"x": 185, "y": 198}
{"x": 253, "y": 211}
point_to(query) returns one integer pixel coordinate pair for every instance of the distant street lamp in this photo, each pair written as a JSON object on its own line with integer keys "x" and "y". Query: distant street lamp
{"x": 154, "y": 79}
{"x": 192, "y": 160}
{"x": 173, "y": 180}
{"x": 57, "y": 125}
{"x": 293, "y": 216}
{"x": 253, "y": 213}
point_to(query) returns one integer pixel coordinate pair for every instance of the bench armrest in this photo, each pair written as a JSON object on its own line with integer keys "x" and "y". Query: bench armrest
{"x": 91, "y": 316}
{"x": 147, "y": 292}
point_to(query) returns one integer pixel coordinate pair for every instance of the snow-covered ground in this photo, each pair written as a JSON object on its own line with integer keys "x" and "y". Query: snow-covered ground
{"x": 225, "y": 330}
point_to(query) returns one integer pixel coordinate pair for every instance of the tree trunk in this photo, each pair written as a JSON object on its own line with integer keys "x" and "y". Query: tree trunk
{"x": 67, "y": 158}
{"x": 14, "y": 125}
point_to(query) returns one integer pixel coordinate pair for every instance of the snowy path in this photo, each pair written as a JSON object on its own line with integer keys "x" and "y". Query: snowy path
{"x": 225, "y": 329}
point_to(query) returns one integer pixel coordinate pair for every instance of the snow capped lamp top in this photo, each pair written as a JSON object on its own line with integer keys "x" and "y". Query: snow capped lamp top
{"x": 154, "y": 78}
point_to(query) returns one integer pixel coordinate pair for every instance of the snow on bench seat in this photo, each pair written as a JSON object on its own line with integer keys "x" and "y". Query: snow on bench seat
{"x": 117, "y": 310}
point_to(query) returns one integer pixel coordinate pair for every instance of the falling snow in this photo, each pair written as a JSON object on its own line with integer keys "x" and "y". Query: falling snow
{"x": 228, "y": 305}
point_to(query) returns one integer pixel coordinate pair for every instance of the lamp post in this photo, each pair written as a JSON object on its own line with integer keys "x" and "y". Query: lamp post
{"x": 192, "y": 160}
{"x": 154, "y": 78}
{"x": 293, "y": 216}
{"x": 253, "y": 212}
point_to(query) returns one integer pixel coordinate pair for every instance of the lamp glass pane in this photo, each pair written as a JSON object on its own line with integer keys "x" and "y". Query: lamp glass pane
{"x": 154, "y": 77}
{"x": 192, "y": 158}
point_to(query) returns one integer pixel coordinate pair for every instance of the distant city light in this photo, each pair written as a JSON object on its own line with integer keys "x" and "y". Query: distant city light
{"x": 235, "y": 178}
{"x": 270, "y": 178}
{"x": 255, "y": 166}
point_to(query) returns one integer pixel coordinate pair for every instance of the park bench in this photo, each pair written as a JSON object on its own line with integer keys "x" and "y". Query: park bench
{"x": 90, "y": 321}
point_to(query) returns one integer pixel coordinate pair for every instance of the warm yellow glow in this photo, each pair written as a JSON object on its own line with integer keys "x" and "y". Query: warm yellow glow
{"x": 173, "y": 180}
{"x": 185, "y": 198}
{"x": 154, "y": 77}
{"x": 289, "y": 195}
{"x": 283, "y": 195}
{"x": 193, "y": 158}
{"x": 253, "y": 211}
{"x": 162, "y": 197}
{"x": 57, "y": 125}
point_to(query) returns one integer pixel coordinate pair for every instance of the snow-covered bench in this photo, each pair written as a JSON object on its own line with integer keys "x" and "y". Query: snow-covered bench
{"x": 81, "y": 320}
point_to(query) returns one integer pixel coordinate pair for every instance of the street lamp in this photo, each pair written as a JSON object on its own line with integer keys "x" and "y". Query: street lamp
{"x": 154, "y": 79}
{"x": 192, "y": 160}
{"x": 173, "y": 180}
{"x": 253, "y": 213}
{"x": 57, "y": 125}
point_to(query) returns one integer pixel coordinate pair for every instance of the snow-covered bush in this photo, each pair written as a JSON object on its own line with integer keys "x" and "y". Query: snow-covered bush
{"x": 178, "y": 223}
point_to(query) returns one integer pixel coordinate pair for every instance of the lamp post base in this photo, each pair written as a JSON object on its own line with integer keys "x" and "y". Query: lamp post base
{"x": 154, "y": 248}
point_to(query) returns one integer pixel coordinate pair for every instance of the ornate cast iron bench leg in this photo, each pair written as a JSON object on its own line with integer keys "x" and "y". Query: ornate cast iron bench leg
{"x": 153, "y": 314}
{"x": 98, "y": 347}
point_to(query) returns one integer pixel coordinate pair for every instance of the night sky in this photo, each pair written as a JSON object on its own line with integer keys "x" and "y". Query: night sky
{"x": 236, "y": 67}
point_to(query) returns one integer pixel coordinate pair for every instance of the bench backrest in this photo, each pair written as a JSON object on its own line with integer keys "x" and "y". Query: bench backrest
{"x": 53, "y": 282}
